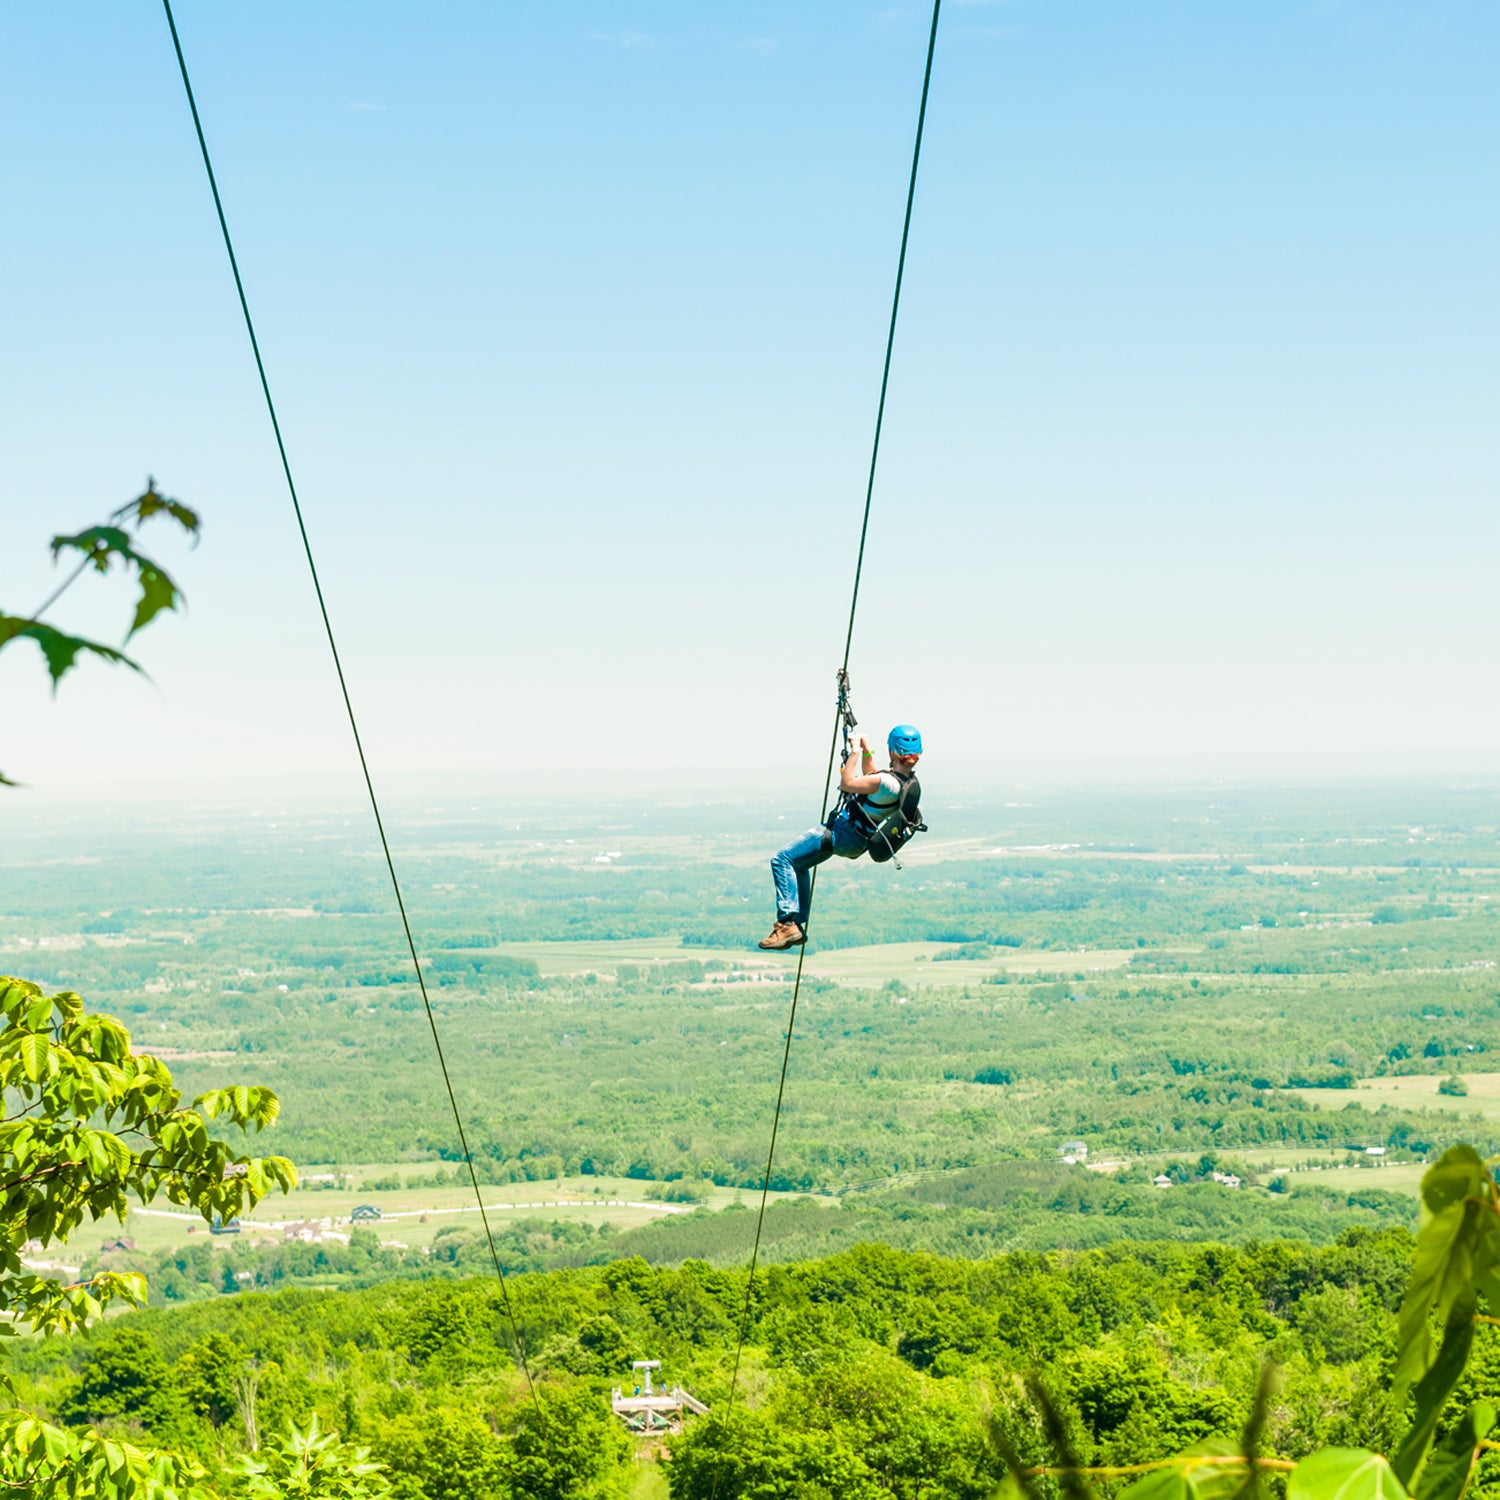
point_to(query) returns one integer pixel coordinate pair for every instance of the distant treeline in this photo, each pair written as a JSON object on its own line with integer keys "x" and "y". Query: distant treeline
{"x": 1039, "y": 1206}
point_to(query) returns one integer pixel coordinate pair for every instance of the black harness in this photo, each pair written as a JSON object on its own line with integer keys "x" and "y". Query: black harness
{"x": 887, "y": 829}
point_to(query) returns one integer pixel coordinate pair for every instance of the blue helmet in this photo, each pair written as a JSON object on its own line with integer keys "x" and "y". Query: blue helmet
{"x": 904, "y": 739}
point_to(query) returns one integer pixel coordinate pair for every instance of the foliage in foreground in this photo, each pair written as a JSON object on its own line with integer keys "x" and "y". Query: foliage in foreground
{"x": 312, "y": 1463}
{"x": 88, "y": 1127}
{"x": 100, "y": 548}
{"x": 1457, "y": 1264}
{"x": 52, "y": 1463}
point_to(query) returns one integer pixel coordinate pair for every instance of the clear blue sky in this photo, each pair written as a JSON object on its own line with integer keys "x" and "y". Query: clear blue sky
{"x": 574, "y": 314}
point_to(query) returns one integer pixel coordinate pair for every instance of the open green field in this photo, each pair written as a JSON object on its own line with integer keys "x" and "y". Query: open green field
{"x": 931, "y": 964}
{"x": 1416, "y": 1091}
{"x": 1399, "y": 1177}
{"x": 926, "y": 964}
{"x": 416, "y": 1213}
{"x": 1268, "y": 1159}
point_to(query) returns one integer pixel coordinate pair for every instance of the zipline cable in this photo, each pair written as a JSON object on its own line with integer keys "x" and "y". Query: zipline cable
{"x": 864, "y": 530}
{"x": 359, "y": 748}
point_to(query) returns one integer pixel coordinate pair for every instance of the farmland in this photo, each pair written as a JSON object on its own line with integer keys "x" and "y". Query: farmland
{"x": 1256, "y": 1014}
{"x": 1276, "y": 977}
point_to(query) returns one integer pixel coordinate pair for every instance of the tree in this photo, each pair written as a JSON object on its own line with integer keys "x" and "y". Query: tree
{"x": 442, "y": 1455}
{"x": 87, "y": 1126}
{"x": 564, "y": 1448}
{"x": 1336, "y": 1319}
{"x": 913, "y": 1440}
{"x": 443, "y": 1327}
{"x": 601, "y": 1339}
{"x": 125, "y": 1377}
{"x": 90, "y": 1125}
{"x": 751, "y": 1457}
{"x": 207, "y": 1374}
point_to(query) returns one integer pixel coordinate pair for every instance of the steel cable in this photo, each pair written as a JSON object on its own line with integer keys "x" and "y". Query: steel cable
{"x": 885, "y": 379}
{"x": 359, "y": 748}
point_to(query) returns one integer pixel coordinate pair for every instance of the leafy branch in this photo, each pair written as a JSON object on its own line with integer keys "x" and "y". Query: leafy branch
{"x": 72, "y": 1160}
{"x": 50, "y": 1463}
{"x": 101, "y": 548}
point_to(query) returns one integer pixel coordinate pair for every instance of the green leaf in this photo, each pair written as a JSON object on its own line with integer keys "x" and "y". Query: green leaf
{"x": 1190, "y": 1478}
{"x": 153, "y": 503}
{"x": 1447, "y": 1473}
{"x": 60, "y": 649}
{"x": 158, "y": 592}
{"x": 16, "y": 993}
{"x": 1071, "y": 1479}
{"x": 1344, "y": 1474}
{"x": 1434, "y": 1388}
{"x": 1458, "y": 1174}
{"x": 100, "y": 546}
{"x": 33, "y": 1051}
{"x": 1455, "y": 1191}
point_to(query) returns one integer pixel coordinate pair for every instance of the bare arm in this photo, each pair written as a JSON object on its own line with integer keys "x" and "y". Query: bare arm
{"x": 858, "y": 773}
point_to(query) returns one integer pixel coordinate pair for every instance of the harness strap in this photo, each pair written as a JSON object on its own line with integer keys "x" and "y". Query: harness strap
{"x": 872, "y": 817}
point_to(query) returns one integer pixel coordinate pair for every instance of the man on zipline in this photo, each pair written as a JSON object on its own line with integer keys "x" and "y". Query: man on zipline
{"x": 876, "y": 806}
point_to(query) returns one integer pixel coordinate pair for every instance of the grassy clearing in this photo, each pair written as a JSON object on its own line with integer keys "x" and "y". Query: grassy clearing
{"x": 1402, "y": 1177}
{"x": 915, "y": 963}
{"x": 1269, "y": 1159}
{"x": 417, "y": 1212}
{"x": 606, "y": 955}
{"x": 648, "y": 1482}
{"x": 918, "y": 964}
{"x": 1417, "y": 1091}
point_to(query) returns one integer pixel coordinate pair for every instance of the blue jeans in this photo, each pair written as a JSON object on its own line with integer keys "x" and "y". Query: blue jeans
{"x": 792, "y": 867}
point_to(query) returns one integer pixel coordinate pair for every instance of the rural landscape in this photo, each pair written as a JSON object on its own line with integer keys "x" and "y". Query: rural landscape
{"x": 1191, "y": 1050}
{"x": 470, "y": 467}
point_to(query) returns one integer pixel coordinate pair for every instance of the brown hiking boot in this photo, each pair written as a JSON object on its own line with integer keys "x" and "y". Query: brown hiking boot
{"x": 784, "y": 935}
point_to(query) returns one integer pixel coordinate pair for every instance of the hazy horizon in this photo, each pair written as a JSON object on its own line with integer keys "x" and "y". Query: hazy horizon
{"x": 784, "y": 786}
